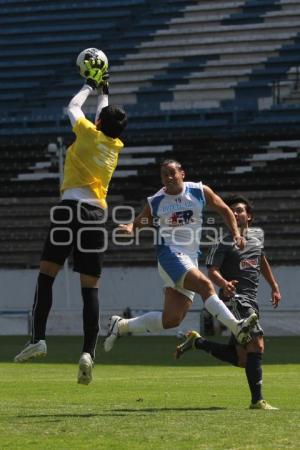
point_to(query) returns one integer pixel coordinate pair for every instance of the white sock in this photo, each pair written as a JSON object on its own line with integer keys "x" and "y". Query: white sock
{"x": 151, "y": 322}
{"x": 219, "y": 310}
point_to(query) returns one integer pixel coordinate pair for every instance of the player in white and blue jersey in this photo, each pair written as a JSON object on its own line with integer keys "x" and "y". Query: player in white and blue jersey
{"x": 176, "y": 211}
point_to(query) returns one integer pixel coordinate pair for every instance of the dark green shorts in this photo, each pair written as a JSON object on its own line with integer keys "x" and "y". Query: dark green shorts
{"x": 242, "y": 307}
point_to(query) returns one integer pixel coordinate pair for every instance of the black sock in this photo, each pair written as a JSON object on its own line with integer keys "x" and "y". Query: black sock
{"x": 41, "y": 306}
{"x": 223, "y": 352}
{"x": 254, "y": 375}
{"x": 90, "y": 319}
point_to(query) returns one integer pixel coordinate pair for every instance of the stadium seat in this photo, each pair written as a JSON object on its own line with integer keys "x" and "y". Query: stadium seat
{"x": 212, "y": 84}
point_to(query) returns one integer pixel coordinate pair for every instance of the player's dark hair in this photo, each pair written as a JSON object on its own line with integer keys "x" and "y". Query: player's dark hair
{"x": 237, "y": 198}
{"x": 113, "y": 120}
{"x": 166, "y": 162}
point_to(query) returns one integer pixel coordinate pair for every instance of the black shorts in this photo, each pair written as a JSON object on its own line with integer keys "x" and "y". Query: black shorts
{"x": 79, "y": 228}
{"x": 242, "y": 307}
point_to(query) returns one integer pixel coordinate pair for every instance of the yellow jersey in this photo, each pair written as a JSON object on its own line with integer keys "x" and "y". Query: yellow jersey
{"x": 91, "y": 160}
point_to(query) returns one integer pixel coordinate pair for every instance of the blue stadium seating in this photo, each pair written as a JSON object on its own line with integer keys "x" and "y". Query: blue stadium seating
{"x": 193, "y": 43}
{"x": 212, "y": 80}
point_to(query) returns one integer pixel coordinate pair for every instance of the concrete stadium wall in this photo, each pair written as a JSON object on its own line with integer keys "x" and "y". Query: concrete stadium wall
{"x": 139, "y": 288}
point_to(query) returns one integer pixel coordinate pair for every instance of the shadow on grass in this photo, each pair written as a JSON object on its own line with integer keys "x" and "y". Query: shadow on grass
{"x": 188, "y": 409}
{"x": 39, "y": 416}
{"x": 119, "y": 412}
{"x": 145, "y": 350}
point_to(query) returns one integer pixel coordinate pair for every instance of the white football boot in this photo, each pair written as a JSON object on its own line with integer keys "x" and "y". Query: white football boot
{"x": 85, "y": 369}
{"x": 113, "y": 333}
{"x": 31, "y": 351}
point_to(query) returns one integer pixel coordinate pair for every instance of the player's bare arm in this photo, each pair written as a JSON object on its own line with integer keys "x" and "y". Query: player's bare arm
{"x": 215, "y": 202}
{"x": 269, "y": 277}
{"x": 229, "y": 287}
{"x": 144, "y": 219}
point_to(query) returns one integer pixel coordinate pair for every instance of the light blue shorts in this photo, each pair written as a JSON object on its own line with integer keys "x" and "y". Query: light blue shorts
{"x": 173, "y": 268}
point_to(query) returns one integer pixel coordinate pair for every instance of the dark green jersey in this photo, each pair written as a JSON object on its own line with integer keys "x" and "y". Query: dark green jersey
{"x": 241, "y": 265}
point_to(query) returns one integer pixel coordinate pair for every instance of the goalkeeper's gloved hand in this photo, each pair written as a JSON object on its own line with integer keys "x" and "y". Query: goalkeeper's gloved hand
{"x": 94, "y": 72}
{"x": 104, "y": 84}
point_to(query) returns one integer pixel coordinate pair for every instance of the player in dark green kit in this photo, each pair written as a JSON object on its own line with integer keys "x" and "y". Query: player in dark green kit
{"x": 237, "y": 274}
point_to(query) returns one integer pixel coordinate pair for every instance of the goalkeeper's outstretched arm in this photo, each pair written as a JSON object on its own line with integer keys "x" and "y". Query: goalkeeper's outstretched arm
{"x": 101, "y": 103}
{"x": 74, "y": 107}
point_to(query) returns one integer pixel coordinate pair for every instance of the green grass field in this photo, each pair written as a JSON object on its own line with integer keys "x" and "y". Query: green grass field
{"x": 141, "y": 398}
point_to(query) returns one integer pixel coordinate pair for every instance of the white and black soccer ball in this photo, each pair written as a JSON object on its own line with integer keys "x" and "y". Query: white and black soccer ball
{"x": 90, "y": 53}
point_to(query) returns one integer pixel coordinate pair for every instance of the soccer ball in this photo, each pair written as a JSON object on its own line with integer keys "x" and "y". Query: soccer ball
{"x": 90, "y": 53}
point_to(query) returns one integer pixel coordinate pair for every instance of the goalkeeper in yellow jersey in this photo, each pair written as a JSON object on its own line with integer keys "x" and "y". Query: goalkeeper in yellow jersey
{"x": 77, "y": 223}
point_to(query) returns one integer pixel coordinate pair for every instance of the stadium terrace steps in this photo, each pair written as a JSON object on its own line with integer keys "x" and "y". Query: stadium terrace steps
{"x": 222, "y": 42}
{"x": 13, "y": 6}
{"x": 230, "y": 49}
{"x": 170, "y": 49}
{"x": 184, "y": 70}
{"x": 127, "y": 83}
{"x": 276, "y": 210}
{"x": 164, "y": 39}
{"x": 34, "y": 27}
{"x": 224, "y": 61}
